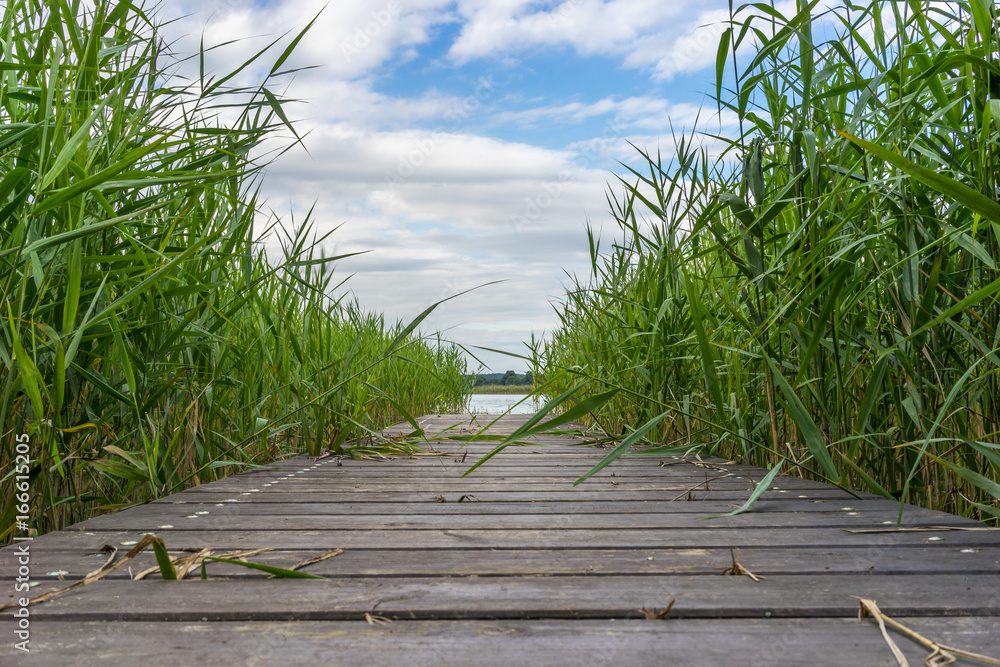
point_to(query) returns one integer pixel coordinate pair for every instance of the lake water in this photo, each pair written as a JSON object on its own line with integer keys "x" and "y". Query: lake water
{"x": 496, "y": 404}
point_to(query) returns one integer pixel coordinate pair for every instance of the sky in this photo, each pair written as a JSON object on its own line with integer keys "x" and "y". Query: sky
{"x": 466, "y": 142}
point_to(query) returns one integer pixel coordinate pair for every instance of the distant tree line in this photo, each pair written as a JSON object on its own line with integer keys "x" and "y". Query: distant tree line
{"x": 508, "y": 379}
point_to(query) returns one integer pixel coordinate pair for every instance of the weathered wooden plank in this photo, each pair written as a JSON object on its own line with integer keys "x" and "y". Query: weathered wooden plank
{"x": 542, "y": 444}
{"x": 563, "y": 495}
{"x": 547, "y": 476}
{"x": 451, "y": 463}
{"x": 496, "y": 484}
{"x": 561, "y": 473}
{"x": 581, "y": 457}
{"x": 516, "y": 465}
{"x": 221, "y": 517}
{"x": 216, "y": 536}
{"x": 539, "y": 464}
{"x": 665, "y": 489}
{"x": 314, "y": 507}
{"x": 52, "y": 564}
{"x": 548, "y": 455}
{"x": 318, "y": 482}
{"x": 750, "y": 642}
{"x": 568, "y": 597}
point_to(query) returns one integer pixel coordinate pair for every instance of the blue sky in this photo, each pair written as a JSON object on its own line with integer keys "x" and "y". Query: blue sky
{"x": 463, "y": 142}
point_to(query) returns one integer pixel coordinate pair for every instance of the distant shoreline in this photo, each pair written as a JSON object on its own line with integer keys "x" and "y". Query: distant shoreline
{"x": 502, "y": 389}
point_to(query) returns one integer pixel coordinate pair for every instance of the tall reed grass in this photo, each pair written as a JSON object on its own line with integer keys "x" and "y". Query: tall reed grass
{"x": 148, "y": 339}
{"x": 825, "y": 291}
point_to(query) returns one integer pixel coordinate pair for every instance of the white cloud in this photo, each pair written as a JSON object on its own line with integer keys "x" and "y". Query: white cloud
{"x": 631, "y": 113}
{"x": 692, "y": 50}
{"x": 349, "y": 39}
{"x": 344, "y": 154}
{"x": 588, "y": 26}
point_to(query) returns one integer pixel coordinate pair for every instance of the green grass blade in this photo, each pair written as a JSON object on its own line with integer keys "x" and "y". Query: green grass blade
{"x": 167, "y": 570}
{"x": 32, "y": 379}
{"x": 622, "y": 447}
{"x": 69, "y": 150}
{"x": 535, "y": 425}
{"x": 979, "y": 481}
{"x": 277, "y": 572}
{"x": 807, "y": 427}
{"x": 873, "y": 486}
{"x": 295, "y": 42}
{"x": 707, "y": 357}
{"x": 755, "y": 496}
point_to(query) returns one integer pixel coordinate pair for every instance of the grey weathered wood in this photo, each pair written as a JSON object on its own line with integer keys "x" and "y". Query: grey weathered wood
{"x": 316, "y": 507}
{"x": 750, "y": 642}
{"x": 214, "y": 535}
{"x": 765, "y": 561}
{"x": 455, "y": 471}
{"x": 564, "y": 494}
{"x": 568, "y": 597}
{"x": 567, "y": 565}
{"x": 378, "y": 485}
{"x": 184, "y": 520}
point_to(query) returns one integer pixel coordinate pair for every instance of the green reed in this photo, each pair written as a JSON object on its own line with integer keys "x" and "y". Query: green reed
{"x": 151, "y": 337}
{"x": 824, "y": 291}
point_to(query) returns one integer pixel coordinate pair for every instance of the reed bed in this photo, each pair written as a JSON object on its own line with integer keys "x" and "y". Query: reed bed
{"x": 823, "y": 293}
{"x": 157, "y": 329}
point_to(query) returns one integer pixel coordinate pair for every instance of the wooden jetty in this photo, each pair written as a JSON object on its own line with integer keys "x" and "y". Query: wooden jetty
{"x": 513, "y": 565}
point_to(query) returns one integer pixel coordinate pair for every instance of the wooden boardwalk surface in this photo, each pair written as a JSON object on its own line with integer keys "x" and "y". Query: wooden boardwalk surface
{"x": 513, "y": 566}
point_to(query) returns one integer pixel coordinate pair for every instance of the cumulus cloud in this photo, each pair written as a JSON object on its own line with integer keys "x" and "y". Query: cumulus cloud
{"x": 588, "y": 26}
{"x": 647, "y": 113}
{"x": 349, "y": 39}
{"x": 693, "y": 49}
